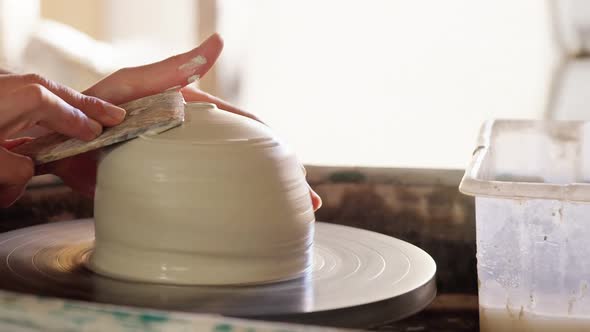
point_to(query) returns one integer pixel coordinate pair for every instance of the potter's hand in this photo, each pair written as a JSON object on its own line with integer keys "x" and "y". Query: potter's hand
{"x": 30, "y": 100}
{"x": 128, "y": 84}
{"x": 79, "y": 172}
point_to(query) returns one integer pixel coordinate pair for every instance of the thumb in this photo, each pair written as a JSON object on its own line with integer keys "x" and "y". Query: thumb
{"x": 10, "y": 144}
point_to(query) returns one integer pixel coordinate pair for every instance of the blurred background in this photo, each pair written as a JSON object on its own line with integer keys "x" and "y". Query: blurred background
{"x": 347, "y": 83}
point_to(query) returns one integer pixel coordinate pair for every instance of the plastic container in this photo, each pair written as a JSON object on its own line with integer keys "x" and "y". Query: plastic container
{"x": 531, "y": 185}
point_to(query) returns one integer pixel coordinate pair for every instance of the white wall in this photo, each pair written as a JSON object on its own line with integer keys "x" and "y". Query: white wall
{"x": 95, "y": 37}
{"x": 387, "y": 83}
{"x": 17, "y": 21}
{"x": 156, "y": 28}
{"x": 402, "y": 83}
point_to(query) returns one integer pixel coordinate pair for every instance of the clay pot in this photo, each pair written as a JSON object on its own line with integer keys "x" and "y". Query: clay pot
{"x": 218, "y": 200}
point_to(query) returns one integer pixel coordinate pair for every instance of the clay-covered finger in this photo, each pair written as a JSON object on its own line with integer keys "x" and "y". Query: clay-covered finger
{"x": 179, "y": 70}
{"x": 34, "y": 104}
{"x": 103, "y": 112}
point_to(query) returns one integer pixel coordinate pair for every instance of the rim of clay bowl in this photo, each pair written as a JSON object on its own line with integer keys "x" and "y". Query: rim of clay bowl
{"x": 201, "y": 103}
{"x": 197, "y": 105}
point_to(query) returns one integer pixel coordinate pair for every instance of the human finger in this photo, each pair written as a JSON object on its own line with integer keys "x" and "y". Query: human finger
{"x": 136, "y": 82}
{"x": 34, "y": 104}
{"x": 103, "y": 112}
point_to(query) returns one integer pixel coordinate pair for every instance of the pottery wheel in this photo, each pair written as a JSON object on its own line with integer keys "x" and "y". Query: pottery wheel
{"x": 359, "y": 278}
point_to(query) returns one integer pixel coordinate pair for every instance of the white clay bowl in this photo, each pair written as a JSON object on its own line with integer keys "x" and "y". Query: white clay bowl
{"x": 216, "y": 201}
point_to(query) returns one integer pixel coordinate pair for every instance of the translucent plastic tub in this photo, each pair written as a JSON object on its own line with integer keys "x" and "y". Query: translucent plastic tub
{"x": 531, "y": 185}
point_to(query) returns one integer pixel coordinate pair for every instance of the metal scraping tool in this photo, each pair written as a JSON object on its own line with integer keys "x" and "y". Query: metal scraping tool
{"x": 152, "y": 114}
